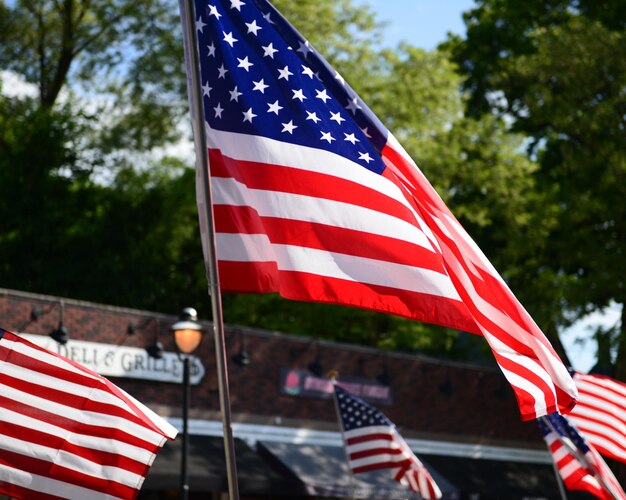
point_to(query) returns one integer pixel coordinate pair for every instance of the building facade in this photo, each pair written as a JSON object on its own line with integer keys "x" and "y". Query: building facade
{"x": 461, "y": 420}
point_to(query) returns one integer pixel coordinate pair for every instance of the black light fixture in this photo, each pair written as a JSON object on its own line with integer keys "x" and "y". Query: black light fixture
{"x": 242, "y": 358}
{"x": 315, "y": 367}
{"x": 155, "y": 350}
{"x": 384, "y": 377}
{"x": 187, "y": 333}
{"x": 60, "y": 334}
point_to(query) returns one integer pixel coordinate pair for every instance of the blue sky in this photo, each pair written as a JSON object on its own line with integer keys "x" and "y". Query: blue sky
{"x": 423, "y": 23}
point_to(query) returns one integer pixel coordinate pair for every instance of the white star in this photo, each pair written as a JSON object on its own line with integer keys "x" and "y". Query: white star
{"x": 234, "y": 94}
{"x": 353, "y": 105}
{"x": 260, "y": 86}
{"x": 289, "y": 127}
{"x": 321, "y": 94}
{"x": 274, "y": 108}
{"x": 312, "y": 116}
{"x": 284, "y": 73}
{"x": 339, "y": 78}
{"x": 236, "y": 4}
{"x": 211, "y": 49}
{"x": 213, "y": 12}
{"x": 337, "y": 117}
{"x": 327, "y": 137}
{"x": 267, "y": 18}
{"x": 244, "y": 63}
{"x": 218, "y": 110}
{"x": 297, "y": 94}
{"x": 364, "y": 130}
{"x": 350, "y": 138}
{"x": 206, "y": 90}
{"x": 222, "y": 70}
{"x": 305, "y": 48}
{"x": 200, "y": 24}
{"x": 365, "y": 157}
{"x": 253, "y": 27}
{"x": 307, "y": 71}
{"x": 229, "y": 39}
{"x": 269, "y": 50}
{"x": 248, "y": 115}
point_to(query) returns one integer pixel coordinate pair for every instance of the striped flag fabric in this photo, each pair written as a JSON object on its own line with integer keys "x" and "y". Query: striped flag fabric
{"x": 372, "y": 443}
{"x": 601, "y": 413}
{"x": 580, "y": 466}
{"x": 67, "y": 432}
{"x": 315, "y": 199}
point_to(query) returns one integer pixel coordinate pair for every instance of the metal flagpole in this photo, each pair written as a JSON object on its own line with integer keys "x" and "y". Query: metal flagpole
{"x": 332, "y": 374}
{"x": 207, "y": 226}
{"x": 582, "y": 459}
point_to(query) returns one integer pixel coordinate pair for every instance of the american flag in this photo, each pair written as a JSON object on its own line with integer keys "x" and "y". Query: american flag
{"x": 315, "y": 199}
{"x": 68, "y": 432}
{"x": 580, "y": 466}
{"x": 372, "y": 442}
{"x": 601, "y": 413}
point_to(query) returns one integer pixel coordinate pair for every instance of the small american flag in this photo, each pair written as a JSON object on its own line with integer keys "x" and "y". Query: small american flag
{"x": 601, "y": 413}
{"x": 372, "y": 442}
{"x": 315, "y": 199}
{"x": 580, "y": 466}
{"x": 68, "y": 432}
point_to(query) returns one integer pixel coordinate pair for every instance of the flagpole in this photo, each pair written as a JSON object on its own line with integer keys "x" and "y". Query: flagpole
{"x": 581, "y": 458}
{"x": 332, "y": 374}
{"x": 207, "y": 226}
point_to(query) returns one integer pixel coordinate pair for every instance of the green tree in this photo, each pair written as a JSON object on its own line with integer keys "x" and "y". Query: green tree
{"x": 556, "y": 71}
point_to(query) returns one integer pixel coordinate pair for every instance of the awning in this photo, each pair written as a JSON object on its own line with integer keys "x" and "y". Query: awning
{"x": 497, "y": 479}
{"x": 324, "y": 472}
{"x": 207, "y": 470}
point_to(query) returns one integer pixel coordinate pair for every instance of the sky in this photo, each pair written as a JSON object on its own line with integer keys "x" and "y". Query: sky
{"x": 423, "y": 23}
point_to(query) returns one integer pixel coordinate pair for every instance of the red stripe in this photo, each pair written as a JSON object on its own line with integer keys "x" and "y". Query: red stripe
{"x": 369, "y": 437}
{"x": 268, "y": 177}
{"x": 76, "y": 426}
{"x": 65, "y": 474}
{"x": 245, "y": 220}
{"x": 104, "y": 458}
{"x": 378, "y": 466}
{"x": 374, "y": 451}
{"x": 65, "y": 398}
{"x": 265, "y": 277}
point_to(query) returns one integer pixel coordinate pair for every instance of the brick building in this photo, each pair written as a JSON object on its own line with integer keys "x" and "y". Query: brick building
{"x": 461, "y": 420}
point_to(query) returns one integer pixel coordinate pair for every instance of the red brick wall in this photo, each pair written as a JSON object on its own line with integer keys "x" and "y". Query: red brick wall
{"x": 480, "y": 406}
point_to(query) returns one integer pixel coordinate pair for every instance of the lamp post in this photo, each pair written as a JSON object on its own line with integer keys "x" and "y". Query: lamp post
{"x": 187, "y": 334}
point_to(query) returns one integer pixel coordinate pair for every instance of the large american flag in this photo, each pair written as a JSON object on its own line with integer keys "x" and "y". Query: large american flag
{"x": 316, "y": 200}
{"x": 580, "y": 466}
{"x": 67, "y": 432}
{"x": 372, "y": 443}
{"x": 601, "y": 413}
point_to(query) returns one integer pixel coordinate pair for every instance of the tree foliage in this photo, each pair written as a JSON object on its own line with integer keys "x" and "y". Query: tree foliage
{"x": 557, "y": 71}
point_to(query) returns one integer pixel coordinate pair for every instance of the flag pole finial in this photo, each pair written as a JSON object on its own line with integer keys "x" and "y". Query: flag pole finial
{"x": 332, "y": 374}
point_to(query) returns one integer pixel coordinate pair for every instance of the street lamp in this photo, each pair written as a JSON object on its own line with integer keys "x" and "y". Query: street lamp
{"x": 187, "y": 334}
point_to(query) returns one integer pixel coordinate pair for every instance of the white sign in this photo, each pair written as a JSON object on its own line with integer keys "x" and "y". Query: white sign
{"x": 120, "y": 361}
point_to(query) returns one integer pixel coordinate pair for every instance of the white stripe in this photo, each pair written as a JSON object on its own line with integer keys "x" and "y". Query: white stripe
{"x": 591, "y": 383}
{"x": 235, "y": 247}
{"x": 262, "y": 149}
{"x": 228, "y": 191}
{"x": 381, "y": 458}
{"x": 50, "y": 486}
{"x": 606, "y": 424}
{"x": 83, "y": 416}
{"x": 375, "y": 443}
{"x": 64, "y": 458}
{"x": 91, "y": 442}
{"x": 370, "y": 429}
